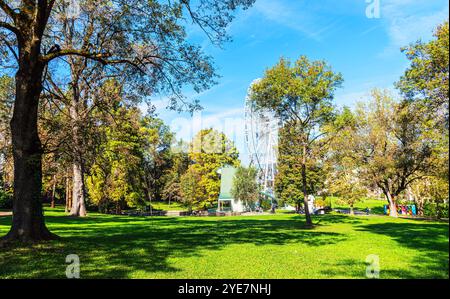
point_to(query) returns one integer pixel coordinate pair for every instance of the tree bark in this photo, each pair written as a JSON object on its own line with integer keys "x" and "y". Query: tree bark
{"x": 79, "y": 188}
{"x": 392, "y": 204}
{"x": 305, "y": 193}
{"x": 28, "y": 218}
{"x": 78, "y": 202}
{"x": 67, "y": 195}
{"x": 52, "y": 205}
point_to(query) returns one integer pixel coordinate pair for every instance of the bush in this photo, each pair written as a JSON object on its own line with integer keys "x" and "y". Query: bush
{"x": 5, "y": 199}
{"x": 436, "y": 210}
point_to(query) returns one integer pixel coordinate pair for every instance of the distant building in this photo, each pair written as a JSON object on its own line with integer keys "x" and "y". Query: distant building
{"x": 226, "y": 201}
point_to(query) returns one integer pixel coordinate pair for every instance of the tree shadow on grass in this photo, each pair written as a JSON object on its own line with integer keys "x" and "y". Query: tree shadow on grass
{"x": 337, "y": 218}
{"x": 346, "y": 268}
{"x": 115, "y": 247}
{"x": 430, "y": 239}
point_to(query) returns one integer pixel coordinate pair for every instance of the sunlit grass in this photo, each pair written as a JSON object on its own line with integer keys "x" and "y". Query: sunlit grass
{"x": 273, "y": 246}
{"x": 376, "y": 206}
{"x": 165, "y": 206}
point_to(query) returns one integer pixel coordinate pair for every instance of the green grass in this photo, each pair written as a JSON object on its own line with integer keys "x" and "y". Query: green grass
{"x": 375, "y": 206}
{"x": 274, "y": 246}
{"x": 162, "y": 205}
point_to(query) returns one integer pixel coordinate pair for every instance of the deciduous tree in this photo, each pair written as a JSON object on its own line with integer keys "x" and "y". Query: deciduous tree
{"x": 148, "y": 37}
{"x": 210, "y": 150}
{"x": 393, "y": 145}
{"x": 245, "y": 187}
{"x": 301, "y": 94}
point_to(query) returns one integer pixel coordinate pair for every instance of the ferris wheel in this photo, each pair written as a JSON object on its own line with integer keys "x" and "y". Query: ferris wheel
{"x": 261, "y": 138}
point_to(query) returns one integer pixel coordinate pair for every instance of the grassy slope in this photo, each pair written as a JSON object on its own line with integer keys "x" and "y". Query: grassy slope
{"x": 162, "y": 205}
{"x": 375, "y": 206}
{"x": 233, "y": 247}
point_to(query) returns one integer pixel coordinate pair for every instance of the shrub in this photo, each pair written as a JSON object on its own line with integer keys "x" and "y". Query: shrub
{"x": 436, "y": 210}
{"x": 5, "y": 199}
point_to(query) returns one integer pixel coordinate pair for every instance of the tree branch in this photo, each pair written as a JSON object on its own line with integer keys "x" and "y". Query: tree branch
{"x": 10, "y": 27}
{"x": 95, "y": 56}
{"x": 7, "y": 9}
{"x": 100, "y": 57}
{"x": 8, "y": 45}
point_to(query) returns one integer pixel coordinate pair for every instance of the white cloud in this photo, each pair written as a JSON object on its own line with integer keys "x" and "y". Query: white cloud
{"x": 291, "y": 14}
{"x": 229, "y": 121}
{"x": 410, "y": 20}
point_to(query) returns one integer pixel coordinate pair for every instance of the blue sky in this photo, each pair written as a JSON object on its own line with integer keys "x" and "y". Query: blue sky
{"x": 365, "y": 50}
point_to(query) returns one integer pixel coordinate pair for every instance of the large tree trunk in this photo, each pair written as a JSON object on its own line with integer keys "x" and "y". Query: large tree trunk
{"x": 78, "y": 191}
{"x": 305, "y": 193}
{"x": 352, "y": 211}
{"x": 392, "y": 204}
{"x": 28, "y": 219}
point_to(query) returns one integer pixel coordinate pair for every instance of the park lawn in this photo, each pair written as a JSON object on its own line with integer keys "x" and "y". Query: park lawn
{"x": 165, "y": 206}
{"x": 376, "y": 206}
{"x": 272, "y": 246}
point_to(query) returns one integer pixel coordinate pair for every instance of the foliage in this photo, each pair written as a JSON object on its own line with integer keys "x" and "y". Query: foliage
{"x": 288, "y": 181}
{"x": 392, "y": 144}
{"x": 347, "y": 185}
{"x": 5, "y": 199}
{"x": 436, "y": 210}
{"x": 209, "y": 151}
{"x": 245, "y": 187}
{"x": 300, "y": 91}
{"x": 142, "y": 43}
{"x": 116, "y": 176}
{"x": 6, "y": 107}
{"x": 190, "y": 185}
{"x": 427, "y": 79}
{"x": 6, "y": 104}
{"x": 156, "y": 142}
{"x": 301, "y": 94}
{"x": 431, "y": 195}
{"x": 179, "y": 160}
{"x": 345, "y": 179}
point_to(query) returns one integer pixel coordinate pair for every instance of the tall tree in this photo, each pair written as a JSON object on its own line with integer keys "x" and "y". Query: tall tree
{"x": 345, "y": 177}
{"x": 190, "y": 189}
{"x": 245, "y": 187}
{"x": 346, "y": 183}
{"x": 288, "y": 181}
{"x": 156, "y": 142}
{"x": 147, "y": 37}
{"x": 426, "y": 80}
{"x": 210, "y": 150}
{"x": 179, "y": 160}
{"x": 426, "y": 83}
{"x": 301, "y": 94}
{"x": 116, "y": 177}
{"x": 393, "y": 145}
